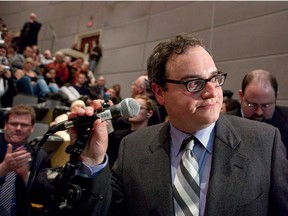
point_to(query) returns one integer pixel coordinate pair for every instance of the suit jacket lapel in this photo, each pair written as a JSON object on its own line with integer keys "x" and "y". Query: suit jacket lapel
{"x": 157, "y": 175}
{"x": 227, "y": 171}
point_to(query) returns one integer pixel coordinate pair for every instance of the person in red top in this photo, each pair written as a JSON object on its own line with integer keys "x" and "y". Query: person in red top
{"x": 61, "y": 68}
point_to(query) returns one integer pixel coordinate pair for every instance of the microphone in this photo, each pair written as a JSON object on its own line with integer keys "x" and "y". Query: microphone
{"x": 127, "y": 108}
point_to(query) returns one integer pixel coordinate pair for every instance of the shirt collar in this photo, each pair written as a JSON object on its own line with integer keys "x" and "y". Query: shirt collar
{"x": 205, "y": 136}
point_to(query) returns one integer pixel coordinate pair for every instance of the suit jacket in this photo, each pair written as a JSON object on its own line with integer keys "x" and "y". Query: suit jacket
{"x": 249, "y": 174}
{"x": 29, "y": 35}
{"x": 38, "y": 186}
{"x": 97, "y": 92}
{"x": 279, "y": 120}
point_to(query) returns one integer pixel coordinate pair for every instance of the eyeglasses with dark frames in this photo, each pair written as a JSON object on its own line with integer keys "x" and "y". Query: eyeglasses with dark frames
{"x": 197, "y": 84}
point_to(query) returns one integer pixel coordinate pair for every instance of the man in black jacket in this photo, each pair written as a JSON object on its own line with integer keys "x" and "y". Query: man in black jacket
{"x": 17, "y": 156}
{"x": 29, "y": 33}
{"x": 258, "y": 101}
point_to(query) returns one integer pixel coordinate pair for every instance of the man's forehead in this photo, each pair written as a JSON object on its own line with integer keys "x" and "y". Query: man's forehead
{"x": 17, "y": 116}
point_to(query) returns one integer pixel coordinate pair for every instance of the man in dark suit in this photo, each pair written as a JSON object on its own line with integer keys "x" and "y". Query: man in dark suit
{"x": 97, "y": 91}
{"x": 17, "y": 156}
{"x": 29, "y": 33}
{"x": 243, "y": 167}
{"x": 258, "y": 96}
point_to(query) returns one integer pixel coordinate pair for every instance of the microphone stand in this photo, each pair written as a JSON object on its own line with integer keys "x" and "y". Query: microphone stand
{"x": 67, "y": 193}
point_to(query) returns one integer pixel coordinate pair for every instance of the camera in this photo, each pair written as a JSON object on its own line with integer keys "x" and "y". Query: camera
{"x": 5, "y": 68}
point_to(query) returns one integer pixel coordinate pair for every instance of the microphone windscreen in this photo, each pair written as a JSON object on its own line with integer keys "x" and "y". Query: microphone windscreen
{"x": 129, "y": 107}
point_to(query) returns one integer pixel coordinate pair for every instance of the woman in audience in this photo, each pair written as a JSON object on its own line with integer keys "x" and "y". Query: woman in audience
{"x": 29, "y": 82}
{"x": 137, "y": 122}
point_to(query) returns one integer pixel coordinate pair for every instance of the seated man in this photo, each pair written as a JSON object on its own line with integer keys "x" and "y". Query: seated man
{"x": 258, "y": 96}
{"x": 22, "y": 163}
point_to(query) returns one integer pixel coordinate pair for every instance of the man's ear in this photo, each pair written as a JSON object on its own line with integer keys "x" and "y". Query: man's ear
{"x": 240, "y": 93}
{"x": 158, "y": 92}
{"x": 149, "y": 114}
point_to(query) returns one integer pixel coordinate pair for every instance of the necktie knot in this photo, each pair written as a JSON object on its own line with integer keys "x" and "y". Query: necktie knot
{"x": 189, "y": 143}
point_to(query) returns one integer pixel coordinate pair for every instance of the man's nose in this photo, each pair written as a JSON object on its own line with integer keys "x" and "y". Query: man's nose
{"x": 259, "y": 110}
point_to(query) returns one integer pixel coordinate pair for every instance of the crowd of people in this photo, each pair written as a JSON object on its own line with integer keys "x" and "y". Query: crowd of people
{"x": 180, "y": 155}
{"x": 25, "y": 69}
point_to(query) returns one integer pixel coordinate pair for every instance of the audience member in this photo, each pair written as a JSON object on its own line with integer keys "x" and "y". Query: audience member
{"x": 28, "y": 82}
{"x": 81, "y": 84}
{"x": 7, "y": 87}
{"x": 46, "y": 57}
{"x": 117, "y": 89}
{"x": 3, "y": 53}
{"x": 138, "y": 87}
{"x": 29, "y": 33}
{"x": 95, "y": 54}
{"x": 18, "y": 60}
{"x": 76, "y": 68}
{"x": 51, "y": 79}
{"x": 137, "y": 122}
{"x": 20, "y": 161}
{"x": 89, "y": 73}
{"x": 3, "y": 27}
{"x": 61, "y": 68}
{"x": 97, "y": 91}
{"x": 240, "y": 166}
{"x": 36, "y": 56}
{"x": 63, "y": 117}
{"x": 8, "y": 38}
{"x": 230, "y": 104}
{"x": 111, "y": 94}
{"x": 258, "y": 96}
{"x": 11, "y": 52}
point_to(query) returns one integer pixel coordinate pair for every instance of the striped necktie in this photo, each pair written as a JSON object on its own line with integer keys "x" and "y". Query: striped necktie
{"x": 186, "y": 184}
{"x": 7, "y": 193}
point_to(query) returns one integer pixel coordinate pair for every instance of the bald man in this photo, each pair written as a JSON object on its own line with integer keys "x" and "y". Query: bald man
{"x": 258, "y": 96}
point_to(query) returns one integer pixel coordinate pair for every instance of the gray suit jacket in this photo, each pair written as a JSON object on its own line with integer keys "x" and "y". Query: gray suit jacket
{"x": 249, "y": 174}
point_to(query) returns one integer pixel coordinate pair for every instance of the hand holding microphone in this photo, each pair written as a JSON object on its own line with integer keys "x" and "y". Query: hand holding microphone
{"x": 94, "y": 152}
{"x": 126, "y": 108}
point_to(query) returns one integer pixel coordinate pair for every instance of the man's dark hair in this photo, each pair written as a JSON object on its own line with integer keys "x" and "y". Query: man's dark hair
{"x": 156, "y": 63}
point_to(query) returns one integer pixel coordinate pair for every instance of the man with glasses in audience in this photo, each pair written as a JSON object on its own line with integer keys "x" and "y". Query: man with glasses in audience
{"x": 258, "y": 96}
{"x": 22, "y": 169}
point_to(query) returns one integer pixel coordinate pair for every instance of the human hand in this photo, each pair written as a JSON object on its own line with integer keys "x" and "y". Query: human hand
{"x": 22, "y": 158}
{"x": 17, "y": 161}
{"x": 5, "y": 70}
{"x": 94, "y": 152}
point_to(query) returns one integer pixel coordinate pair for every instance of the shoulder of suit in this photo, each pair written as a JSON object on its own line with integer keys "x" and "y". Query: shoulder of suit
{"x": 283, "y": 111}
{"x": 243, "y": 123}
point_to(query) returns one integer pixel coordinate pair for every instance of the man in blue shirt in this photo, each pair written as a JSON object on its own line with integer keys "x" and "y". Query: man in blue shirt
{"x": 243, "y": 168}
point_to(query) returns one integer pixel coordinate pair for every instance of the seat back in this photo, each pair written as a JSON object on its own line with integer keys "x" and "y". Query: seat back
{"x": 25, "y": 99}
{"x": 40, "y": 129}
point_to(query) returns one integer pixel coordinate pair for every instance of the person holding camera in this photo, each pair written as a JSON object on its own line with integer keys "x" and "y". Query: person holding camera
{"x": 7, "y": 86}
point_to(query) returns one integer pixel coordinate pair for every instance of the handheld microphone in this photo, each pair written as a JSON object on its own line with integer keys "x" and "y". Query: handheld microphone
{"x": 127, "y": 108}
